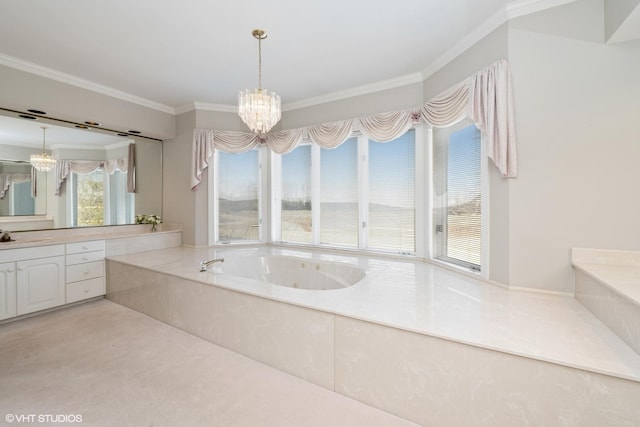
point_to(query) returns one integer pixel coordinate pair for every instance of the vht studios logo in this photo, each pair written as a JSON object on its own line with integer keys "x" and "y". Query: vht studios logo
{"x": 43, "y": 418}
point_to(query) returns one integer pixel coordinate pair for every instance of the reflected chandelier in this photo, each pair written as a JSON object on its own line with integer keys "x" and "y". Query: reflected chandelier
{"x": 259, "y": 109}
{"x": 43, "y": 161}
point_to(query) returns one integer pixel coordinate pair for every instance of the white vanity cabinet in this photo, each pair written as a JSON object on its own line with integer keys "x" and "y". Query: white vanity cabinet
{"x": 7, "y": 290}
{"x": 39, "y": 284}
{"x": 85, "y": 270}
{"x": 32, "y": 279}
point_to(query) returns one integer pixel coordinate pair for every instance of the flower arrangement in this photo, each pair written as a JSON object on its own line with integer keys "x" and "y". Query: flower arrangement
{"x": 154, "y": 220}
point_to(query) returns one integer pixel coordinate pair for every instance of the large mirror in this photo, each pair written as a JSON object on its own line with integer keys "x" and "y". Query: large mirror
{"x": 96, "y": 190}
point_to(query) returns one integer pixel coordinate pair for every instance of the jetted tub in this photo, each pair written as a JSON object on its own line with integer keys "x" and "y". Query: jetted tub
{"x": 292, "y": 272}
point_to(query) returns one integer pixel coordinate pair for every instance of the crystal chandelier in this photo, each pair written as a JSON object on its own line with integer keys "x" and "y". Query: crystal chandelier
{"x": 259, "y": 108}
{"x": 42, "y": 162}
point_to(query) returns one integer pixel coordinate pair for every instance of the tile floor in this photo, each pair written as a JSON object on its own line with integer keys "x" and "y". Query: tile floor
{"x": 116, "y": 367}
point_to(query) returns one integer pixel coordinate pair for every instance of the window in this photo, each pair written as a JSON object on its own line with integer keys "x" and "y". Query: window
{"x": 121, "y": 203}
{"x": 457, "y": 195}
{"x": 360, "y": 194}
{"x": 391, "y": 207}
{"x": 296, "y": 219}
{"x": 20, "y": 200}
{"x": 238, "y": 196}
{"x": 101, "y": 199}
{"x": 88, "y": 191}
{"x": 339, "y": 194}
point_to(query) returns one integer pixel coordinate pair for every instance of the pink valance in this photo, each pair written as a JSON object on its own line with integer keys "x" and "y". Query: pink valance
{"x": 485, "y": 97}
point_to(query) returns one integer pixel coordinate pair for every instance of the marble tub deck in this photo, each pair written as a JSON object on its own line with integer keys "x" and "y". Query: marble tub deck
{"x": 430, "y": 300}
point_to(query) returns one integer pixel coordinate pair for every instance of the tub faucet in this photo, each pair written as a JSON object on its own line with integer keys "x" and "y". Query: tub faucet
{"x": 204, "y": 264}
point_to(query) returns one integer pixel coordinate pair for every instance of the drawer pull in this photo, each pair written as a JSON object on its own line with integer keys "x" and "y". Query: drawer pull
{"x": 84, "y": 258}
{"x": 86, "y": 291}
{"x": 85, "y": 247}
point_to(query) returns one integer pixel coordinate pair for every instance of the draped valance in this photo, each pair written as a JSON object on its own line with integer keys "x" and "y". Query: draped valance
{"x": 485, "y": 97}
{"x": 124, "y": 164}
{"x": 65, "y": 167}
{"x": 6, "y": 179}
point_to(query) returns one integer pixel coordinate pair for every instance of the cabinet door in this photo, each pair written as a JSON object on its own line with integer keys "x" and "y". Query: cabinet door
{"x": 40, "y": 284}
{"x": 7, "y": 290}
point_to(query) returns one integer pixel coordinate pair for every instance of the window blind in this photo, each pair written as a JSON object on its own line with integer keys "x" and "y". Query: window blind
{"x": 457, "y": 215}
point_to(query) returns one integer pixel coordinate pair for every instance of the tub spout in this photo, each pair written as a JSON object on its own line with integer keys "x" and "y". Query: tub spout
{"x": 204, "y": 264}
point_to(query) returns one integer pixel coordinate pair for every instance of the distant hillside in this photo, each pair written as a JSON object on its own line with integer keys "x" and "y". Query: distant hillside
{"x": 471, "y": 207}
{"x": 231, "y": 206}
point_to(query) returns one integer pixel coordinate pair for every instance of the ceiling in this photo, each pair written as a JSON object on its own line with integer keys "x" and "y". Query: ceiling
{"x": 169, "y": 55}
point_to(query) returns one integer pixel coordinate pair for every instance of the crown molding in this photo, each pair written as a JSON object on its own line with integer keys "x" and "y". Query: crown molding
{"x": 526, "y": 7}
{"x": 468, "y": 41}
{"x": 49, "y": 73}
{"x": 356, "y": 91}
{"x": 184, "y": 109}
{"x": 113, "y": 146}
{"x": 512, "y": 10}
{"x": 121, "y": 144}
{"x": 53, "y": 147}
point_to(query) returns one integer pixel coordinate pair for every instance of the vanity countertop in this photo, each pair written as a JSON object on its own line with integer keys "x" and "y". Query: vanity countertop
{"x": 27, "y": 239}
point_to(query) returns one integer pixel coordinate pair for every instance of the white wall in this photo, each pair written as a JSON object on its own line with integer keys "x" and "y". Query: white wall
{"x": 20, "y": 90}
{"x": 398, "y": 98}
{"x": 178, "y": 200}
{"x": 577, "y": 102}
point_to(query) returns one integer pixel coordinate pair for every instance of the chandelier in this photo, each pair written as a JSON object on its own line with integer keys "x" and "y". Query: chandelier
{"x": 42, "y": 162}
{"x": 259, "y": 108}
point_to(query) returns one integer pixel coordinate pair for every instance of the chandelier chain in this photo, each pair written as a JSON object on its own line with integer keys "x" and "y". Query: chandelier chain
{"x": 259, "y": 62}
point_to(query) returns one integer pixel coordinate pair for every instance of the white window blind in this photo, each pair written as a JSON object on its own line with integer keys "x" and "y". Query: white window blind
{"x": 339, "y": 194}
{"x": 391, "y": 207}
{"x": 457, "y": 190}
{"x": 296, "y": 195}
{"x": 238, "y": 196}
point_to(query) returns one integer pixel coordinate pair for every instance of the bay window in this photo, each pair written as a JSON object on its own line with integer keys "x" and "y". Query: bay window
{"x": 237, "y": 200}
{"x": 360, "y": 194}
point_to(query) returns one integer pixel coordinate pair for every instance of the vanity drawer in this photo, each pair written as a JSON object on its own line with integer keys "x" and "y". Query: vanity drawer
{"x": 79, "y": 247}
{"x": 85, "y": 289}
{"x": 89, "y": 270}
{"x": 85, "y": 257}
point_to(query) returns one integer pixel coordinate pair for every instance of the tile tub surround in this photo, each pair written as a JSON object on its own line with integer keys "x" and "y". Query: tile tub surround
{"x": 560, "y": 344}
{"x": 116, "y": 367}
{"x": 608, "y": 284}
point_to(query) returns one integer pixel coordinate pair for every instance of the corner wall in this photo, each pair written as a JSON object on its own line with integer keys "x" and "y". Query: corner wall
{"x": 577, "y": 102}
{"x": 178, "y": 204}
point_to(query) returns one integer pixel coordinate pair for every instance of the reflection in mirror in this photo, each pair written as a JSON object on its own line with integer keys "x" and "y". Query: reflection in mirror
{"x": 20, "y": 185}
{"x": 94, "y": 189}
